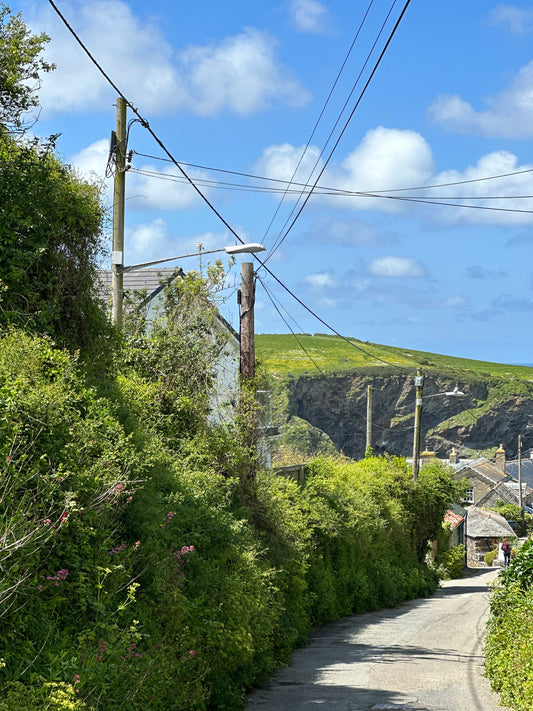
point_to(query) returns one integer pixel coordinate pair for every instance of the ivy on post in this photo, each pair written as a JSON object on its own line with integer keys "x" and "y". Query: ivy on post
{"x": 247, "y": 401}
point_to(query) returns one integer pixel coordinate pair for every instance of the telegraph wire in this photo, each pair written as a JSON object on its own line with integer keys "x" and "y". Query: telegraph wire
{"x": 144, "y": 123}
{"x": 282, "y": 236}
{"x": 160, "y": 143}
{"x": 383, "y": 190}
{"x": 339, "y": 192}
{"x": 327, "y": 325}
{"x": 361, "y": 25}
{"x": 363, "y": 92}
{"x": 287, "y": 324}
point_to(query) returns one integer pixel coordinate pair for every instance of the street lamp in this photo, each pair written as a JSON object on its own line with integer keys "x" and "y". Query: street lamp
{"x": 119, "y": 269}
{"x": 419, "y": 383}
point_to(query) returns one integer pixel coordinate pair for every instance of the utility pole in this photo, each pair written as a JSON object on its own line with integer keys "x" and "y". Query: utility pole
{"x": 368, "y": 447}
{"x": 419, "y": 383}
{"x": 520, "y": 501}
{"x": 117, "y": 260}
{"x": 247, "y": 302}
{"x": 248, "y": 405}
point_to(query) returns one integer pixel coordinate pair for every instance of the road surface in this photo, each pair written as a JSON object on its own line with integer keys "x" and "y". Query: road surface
{"x": 425, "y": 655}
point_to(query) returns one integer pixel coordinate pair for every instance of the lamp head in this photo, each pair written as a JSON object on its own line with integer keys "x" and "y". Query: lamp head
{"x": 250, "y": 248}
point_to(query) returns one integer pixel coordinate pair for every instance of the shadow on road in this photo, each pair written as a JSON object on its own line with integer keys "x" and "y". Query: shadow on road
{"x": 320, "y": 674}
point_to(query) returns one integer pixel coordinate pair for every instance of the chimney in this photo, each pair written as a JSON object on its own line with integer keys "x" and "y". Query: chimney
{"x": 454, "y": 457}
{"x": 427, "y": 457}
{"x": 500, "y": 458}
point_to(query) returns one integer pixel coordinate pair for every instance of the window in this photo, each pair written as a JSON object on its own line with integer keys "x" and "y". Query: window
{"x": 469, "y": 495}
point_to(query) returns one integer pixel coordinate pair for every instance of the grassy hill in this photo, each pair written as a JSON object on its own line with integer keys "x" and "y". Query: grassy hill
{"x": 285, "y": 354}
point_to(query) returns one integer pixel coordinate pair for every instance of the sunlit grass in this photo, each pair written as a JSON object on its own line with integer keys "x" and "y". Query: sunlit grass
{"x": 283, "y": 354}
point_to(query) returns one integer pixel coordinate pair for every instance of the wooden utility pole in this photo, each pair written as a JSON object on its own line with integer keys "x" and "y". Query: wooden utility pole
{"x": 248, "y": 404}
{"x": 368, "y": 447}
{"x": 520, "y": 500}
{"x": 247, "y": 302}
{"x": 117, "y": 277}
{"x": 419, "y": 383}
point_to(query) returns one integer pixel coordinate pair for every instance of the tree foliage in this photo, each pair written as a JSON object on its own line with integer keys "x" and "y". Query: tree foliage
{"x": 20, "y": 69}
{"x": 50, "y": 242}
{"x": 134, "y": 575}
{"x": 509, "y": 643}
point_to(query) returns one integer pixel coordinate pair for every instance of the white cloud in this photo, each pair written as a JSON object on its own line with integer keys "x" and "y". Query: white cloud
{"x": 517, "y": 20}
{"x": 385, "y": 159}
{"x": 484, "y": 193}
{"x": 456, "y": 301}
{"x": 403, "y": 267}
{"x": 308, "y": 16}
{"x": 147, "y": 240}
{"x": 240, "y": 74}
{"x": 321, "y": 281}
{"x": 509, "y": 114}
{"x": 91, "y": 161}
{"x": 162, "y": 189}
{"x": 281, "y": 161}
{"x": 137, "y": 58}
{"x": 153, "y": 189}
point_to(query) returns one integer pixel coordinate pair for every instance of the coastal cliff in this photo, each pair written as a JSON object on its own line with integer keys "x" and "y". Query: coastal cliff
{"x": 493, "y": 412}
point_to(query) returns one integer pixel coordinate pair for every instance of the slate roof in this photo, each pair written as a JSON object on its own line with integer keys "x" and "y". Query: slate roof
{"x": 149, "y": 279}
{"x": 503, "y": 492}
{"x": 485, "y": 468}
{"x": 511, "y": 468}
{"x": 483, "y": 523}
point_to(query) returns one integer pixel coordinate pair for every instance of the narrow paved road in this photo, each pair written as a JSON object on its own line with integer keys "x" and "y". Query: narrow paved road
{"x": 424, "y": 655}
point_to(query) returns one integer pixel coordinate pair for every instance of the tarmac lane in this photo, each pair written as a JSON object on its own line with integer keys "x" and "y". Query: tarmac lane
{"x": 424, "y": 655}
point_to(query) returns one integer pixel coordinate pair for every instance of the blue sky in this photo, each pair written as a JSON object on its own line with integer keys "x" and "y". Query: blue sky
{"x": 239, "y": 86}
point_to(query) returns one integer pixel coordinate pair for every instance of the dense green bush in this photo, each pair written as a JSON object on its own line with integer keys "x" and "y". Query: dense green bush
{"x": 50, "y": 244}
{"x": 509, "y": 644}
{"x": 138, "y": 573}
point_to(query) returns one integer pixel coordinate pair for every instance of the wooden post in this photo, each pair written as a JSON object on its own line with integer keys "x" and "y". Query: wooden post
{"x": 520, "y": 499}
{"x": 368, "y": 447}
{"x": 419, "y": 383}
{"x": 247, "y": 366}
{"x": 117, "y": 261}
{"x": 248, "y": 405}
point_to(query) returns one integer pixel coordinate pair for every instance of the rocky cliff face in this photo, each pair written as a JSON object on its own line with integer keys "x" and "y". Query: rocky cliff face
{"x": 337, "y": 406}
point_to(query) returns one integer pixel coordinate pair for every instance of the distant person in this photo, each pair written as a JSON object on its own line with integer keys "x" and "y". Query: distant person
{"x": 506, "y": 548}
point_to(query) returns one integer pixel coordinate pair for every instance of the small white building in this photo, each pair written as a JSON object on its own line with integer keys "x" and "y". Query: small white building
{"x": 152, "y": 281}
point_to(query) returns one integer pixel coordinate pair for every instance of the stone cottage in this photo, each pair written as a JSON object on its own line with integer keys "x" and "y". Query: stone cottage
{"x": 483, "y": 531}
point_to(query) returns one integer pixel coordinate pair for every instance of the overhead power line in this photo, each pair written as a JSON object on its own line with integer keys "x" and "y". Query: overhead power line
{"x": 346, "y": 123}
{"x": 340, "y": 192}
{"x": 275, "y": 305}
{"x": 383, "y": 190}
{"x": 283, "y": 234}
{"x": 361, "y": 25}
{"x": 160, "y": 143}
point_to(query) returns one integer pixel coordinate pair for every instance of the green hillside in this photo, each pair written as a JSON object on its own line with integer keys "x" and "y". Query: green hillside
{"x": 285, "y": 354}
